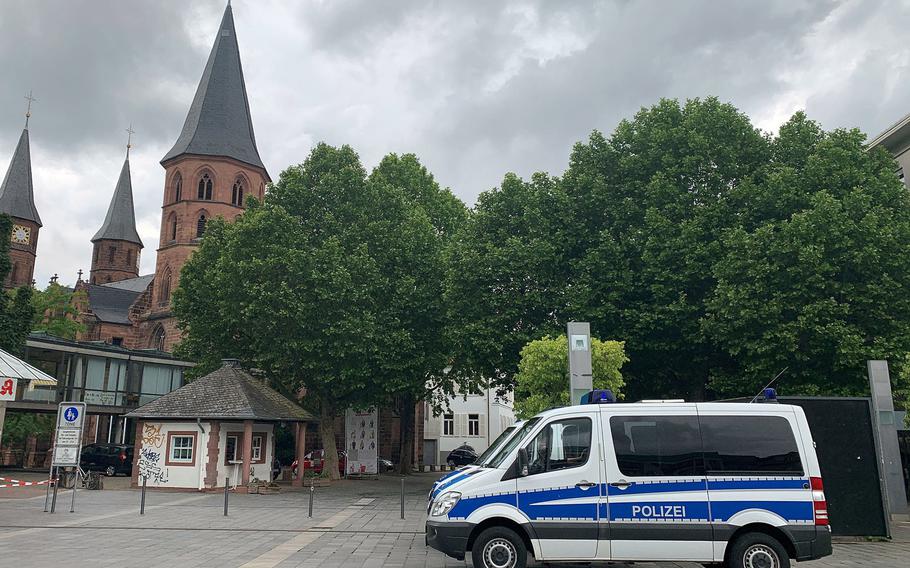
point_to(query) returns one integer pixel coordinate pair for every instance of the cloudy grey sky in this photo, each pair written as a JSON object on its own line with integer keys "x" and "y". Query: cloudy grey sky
{"x": 475, "y": 88}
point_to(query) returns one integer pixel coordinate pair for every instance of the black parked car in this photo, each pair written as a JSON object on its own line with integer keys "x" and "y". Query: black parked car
{"x": 461, "y": 456}
{"x": 109, "y": 459}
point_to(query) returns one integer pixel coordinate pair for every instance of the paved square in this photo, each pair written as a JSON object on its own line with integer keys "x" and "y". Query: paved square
{"x": 355, "y": 523}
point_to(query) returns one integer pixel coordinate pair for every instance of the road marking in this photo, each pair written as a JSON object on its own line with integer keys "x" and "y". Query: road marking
{"x": 286, "y": 549}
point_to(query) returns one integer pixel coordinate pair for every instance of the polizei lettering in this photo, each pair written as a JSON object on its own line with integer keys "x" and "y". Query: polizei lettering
{"x": 659, "y": 511}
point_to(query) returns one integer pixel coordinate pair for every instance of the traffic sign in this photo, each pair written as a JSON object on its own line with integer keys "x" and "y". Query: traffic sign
{"x": 68, "y": 437}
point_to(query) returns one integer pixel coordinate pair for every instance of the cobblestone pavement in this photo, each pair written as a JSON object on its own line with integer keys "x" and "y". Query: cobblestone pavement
{"x": 355, "y": 523}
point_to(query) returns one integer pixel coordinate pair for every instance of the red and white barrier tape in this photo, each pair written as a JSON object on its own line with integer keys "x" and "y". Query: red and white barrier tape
{"x": 18, "y": 483}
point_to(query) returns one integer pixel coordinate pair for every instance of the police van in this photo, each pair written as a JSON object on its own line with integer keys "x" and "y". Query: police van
{"x": 728, "y": 483}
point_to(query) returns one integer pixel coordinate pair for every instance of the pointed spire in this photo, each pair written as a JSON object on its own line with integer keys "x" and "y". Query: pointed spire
{"x": 219, "y": 123}
{"x": 17, "y": 197}
{"x": 120, "y": 221}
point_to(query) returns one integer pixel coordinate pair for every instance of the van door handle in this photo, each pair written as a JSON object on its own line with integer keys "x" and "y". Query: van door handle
{"x": 585, "y": 484}
{"x": 621, "y": 484}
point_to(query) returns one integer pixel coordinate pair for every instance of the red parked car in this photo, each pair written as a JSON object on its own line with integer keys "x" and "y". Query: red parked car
{"x": 314, "y": 460}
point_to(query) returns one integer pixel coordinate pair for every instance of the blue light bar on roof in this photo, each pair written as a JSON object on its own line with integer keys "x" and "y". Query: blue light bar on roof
{"x": 598, "y": 396}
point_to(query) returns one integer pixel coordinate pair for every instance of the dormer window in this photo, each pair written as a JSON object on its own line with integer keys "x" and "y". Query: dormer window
{"x": 205, "y": 187}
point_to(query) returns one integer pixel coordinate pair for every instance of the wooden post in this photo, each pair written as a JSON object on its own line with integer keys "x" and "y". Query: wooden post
{"x": 300, "y": 450}
{"x": 247, "y": 453}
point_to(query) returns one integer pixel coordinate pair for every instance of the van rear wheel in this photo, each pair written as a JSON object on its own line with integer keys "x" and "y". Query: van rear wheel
{"x": 499, "y": 547}
{"x": 758, "y": 550}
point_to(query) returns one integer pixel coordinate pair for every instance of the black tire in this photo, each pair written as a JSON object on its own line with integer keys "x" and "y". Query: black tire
{"x": 110, "y": 471}
{"x": 757, "y": 550}
{"x": 499, "y": 547}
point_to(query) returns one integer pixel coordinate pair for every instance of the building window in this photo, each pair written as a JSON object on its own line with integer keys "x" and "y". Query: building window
{"x": 900, "y": 174}
{"x": 205, "y": 187}
{"x": 178, "y": 187}
{"x": 473, "y": 425}
{"x": 15, "y": 272}
{"x": 200, "y": 226}
{"x": 97, "y": 248}
{"x": 129, "y": 257}
{"x": 110, "y": 254}
{"x": 118, "y": 341}
{"x": 158, "y": 339}
{"x": 448, "y": 424}
{"x": 180, "y": 448}
{"x": 165, "y": 295}
{"x": 237, "y": 193}
{"x": 172, "y": 227}
{"x": 233, "y": 449}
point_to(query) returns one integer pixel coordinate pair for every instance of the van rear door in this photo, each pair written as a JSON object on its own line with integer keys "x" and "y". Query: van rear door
{"x": 657, "y": 499}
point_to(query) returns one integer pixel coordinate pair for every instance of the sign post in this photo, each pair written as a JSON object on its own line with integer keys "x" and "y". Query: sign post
{"x": 581, "y": 379}
{"x": 68, "y": 444}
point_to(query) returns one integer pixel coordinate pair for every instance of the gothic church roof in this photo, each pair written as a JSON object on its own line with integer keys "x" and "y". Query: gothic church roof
{"x": 228, "y": 393}
{"x": 219, "y": 123}
{"x": 17, "y": 198}
{"x": 120, "y": 221}
{"x": 111, "y": 305}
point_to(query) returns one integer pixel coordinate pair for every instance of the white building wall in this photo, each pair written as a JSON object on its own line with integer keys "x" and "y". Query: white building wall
{"x": 495, "y": 415}
{"x": 155, "y": 462}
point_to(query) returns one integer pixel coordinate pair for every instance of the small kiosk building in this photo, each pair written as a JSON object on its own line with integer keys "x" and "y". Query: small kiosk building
{"x": 219, "y": 427}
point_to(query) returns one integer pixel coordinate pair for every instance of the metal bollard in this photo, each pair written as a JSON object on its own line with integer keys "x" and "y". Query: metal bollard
{"x": 312, "y": 491}
{"x": 402, "y": 497}
{"x": 47, "y": 489}
{"x": 142, "y": 498}
{"x": 54, "y": 496}
{"x": 227, "y": 481}
{"x": 75, "y": 483}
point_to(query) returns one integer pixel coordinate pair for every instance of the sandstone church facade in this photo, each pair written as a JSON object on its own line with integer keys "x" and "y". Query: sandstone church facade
{"x": 211, "y": 169}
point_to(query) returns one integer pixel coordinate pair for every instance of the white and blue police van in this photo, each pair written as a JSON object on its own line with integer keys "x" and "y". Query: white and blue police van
{"x": 730, "y": 483}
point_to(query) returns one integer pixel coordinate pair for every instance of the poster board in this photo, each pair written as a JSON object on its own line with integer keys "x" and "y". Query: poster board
{"x": 361, "y": 430}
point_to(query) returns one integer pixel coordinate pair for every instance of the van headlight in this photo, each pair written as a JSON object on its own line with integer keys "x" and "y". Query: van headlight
{"x": 444, "y": 503}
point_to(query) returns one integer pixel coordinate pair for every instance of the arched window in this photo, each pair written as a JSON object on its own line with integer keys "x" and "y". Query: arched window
{"x": 237, "y": 193}
{"x": 261, "y": 190}
{"x": 164, "y": 295}
{"x": 14, "y": 272}
{"x": 110, "y": 254}
{"x": 97, "y": 248}
{"x": 129, "y": 257}
{"x": 172, "y": 228}
{"x": 178, "y": 187}
{"x": 157, "y": 341}
{"x": 200, "y": 226}
{"x": 205, "y": 187}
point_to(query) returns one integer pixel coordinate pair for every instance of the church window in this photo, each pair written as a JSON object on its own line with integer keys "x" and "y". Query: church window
{"x": 165, "y": 295}
{"x": 261, "y": 190}
{"x": 158, "y": 339}
{"x": 110, "y": 254}
{"x": 129, "y": 257}
{"x": 15, "y": 272}
{"x": 200, "y": 226}
{"x": 172, "y": 228}
{"x": 97, "y": 248}
{"x": 178, "y": 187}
{"x": 205, "y": 187}
{"x": 237, "y": 193}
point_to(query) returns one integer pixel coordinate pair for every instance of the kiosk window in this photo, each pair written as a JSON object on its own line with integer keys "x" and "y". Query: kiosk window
{"x": 656, "y": 446}
{"x": 749, "y": 445}
{"x": 560, "y": 445}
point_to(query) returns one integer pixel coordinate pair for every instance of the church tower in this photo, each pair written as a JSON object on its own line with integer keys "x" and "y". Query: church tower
{"x": 209, "y": 172}
{"x": 18, "y": 201}
{"x": 117, "y": 244}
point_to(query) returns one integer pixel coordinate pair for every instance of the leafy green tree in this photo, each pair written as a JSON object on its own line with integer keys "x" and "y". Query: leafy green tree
{"x": 415, "y": 300}
{"x": 542, "y": 381}
{"x": 507, "y": 276}
{"x": 56, "y": 311}
{"x": 19, "y": 426}
{"x": 310, "y": 286}
{"x": 821, "y": 282}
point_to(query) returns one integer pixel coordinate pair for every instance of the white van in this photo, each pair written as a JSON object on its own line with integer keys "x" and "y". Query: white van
{"x": 665, "y": 481}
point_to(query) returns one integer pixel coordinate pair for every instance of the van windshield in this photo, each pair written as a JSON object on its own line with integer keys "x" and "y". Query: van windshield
{"x": 491, "y": 451}
{"x": 513, "y": 442}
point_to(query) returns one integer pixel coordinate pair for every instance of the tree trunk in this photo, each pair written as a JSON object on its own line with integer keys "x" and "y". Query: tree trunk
{"x": 406, "y": 412}
{"x": 327, "y": 432}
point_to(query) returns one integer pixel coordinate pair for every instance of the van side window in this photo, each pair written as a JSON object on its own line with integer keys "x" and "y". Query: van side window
{"x": 560, "y": 445}
{"x": 654, "y": 446}
{"x": 749, "y": 445}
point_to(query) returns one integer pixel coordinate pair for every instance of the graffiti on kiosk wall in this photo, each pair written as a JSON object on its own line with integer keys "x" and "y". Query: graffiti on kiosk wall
{"x": 151, "y": 435}
{"x": 149, "y": 466}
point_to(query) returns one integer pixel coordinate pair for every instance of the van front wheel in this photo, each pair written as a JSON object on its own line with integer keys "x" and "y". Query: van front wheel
{"x": 758, "y": 550}
{"x": 499, "y": 547}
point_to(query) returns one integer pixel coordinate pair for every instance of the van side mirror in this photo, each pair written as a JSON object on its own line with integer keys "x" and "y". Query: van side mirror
{"x": 523, "y": 462}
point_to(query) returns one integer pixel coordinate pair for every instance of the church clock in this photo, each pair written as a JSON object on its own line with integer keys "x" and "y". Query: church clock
{"x": 21, "y": 235}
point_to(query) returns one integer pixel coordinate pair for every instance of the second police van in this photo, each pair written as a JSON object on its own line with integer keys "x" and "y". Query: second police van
{"x": 728, "y": 483}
